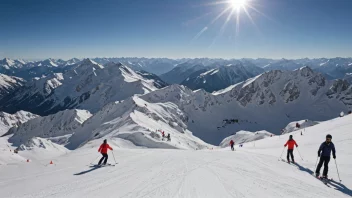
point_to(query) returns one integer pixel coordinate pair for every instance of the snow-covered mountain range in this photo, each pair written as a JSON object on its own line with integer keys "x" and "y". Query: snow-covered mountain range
{"x": 8, "y": 64}
{"x": 222, "y": 77}
{"x": 268, "y": 101}
{"x": 56, "y": 127}
{"x": 265, "y": 102}
{"x": 9, "y": 83}
{"x": 8, "y": 121}
{"x": 153, "y": 65}
{"x": 87, "y": 85}
{"x": 179, "y": 73}
{"x": 333, "y": 68}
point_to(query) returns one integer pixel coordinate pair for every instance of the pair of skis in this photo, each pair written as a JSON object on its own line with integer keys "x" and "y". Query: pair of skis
{"x": 322, "y": 179}
{"x": 100, "y": 166}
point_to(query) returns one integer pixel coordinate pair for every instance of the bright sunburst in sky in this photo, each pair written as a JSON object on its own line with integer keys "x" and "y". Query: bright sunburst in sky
{"x": 232, "y": 10}
{"x": 238, "y": 4}
{"x": 175, "y": 28}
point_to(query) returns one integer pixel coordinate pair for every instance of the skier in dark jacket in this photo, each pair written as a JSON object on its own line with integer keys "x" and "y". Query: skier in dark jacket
{"x": 324, "y": 153}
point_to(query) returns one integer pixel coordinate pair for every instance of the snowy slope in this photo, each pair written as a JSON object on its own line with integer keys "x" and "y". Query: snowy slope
{"x": 303, "y": 124}
{"x": 181, "y": 72}
{"x": 282, "y": 64}
{"x": 248, "y": 172}
{"x": 62, "y": 124}
{"x": 266, "y": 102}
{"x": 221, "y": 77}
{"x": 245, "y": 136}
{"x": 7, "y": 155}
{"x": 86, "y": 85}
{"x": 335, "y": 67}
{"x": 9, "y": 84}
{"x": 38, "y": 151}
{"x": 309, "y": 144}
{"x": 154, "y": 65}
{"x": 138, "y": 122}
{"x": 8, "y": 121}
{"x": 72, "y": 61}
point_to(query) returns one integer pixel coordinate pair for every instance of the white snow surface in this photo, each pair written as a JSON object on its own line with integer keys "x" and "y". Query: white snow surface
{"x": 56, "y": 125}
{"x": 208, "y": 72}
{"x": 245, "y": 136}
{"x": 8, "y": 121}
{"x": 251, "y": 171}
{"x": 226, "y": 89}
{"x": 9, "y": 82}
{"x": 138, "y": 122}
{"x": 303, "y": 124}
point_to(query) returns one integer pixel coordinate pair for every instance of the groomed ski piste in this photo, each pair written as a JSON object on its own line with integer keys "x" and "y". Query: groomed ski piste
{"x": 254, "y": 170}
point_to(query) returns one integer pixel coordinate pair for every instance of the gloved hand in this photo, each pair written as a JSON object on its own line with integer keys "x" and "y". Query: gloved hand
{"x": 318, "y": 154}
{"x": 334, "y": 157}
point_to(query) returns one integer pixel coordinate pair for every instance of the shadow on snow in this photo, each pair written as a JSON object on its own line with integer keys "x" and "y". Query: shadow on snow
{"x": 93, "y": 168}
{"x": 339, "y": 186}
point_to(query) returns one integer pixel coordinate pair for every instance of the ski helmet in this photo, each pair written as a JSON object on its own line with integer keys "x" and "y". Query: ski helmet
{"x": 105, "y": 141}
{"x": 291, "y": 136}
{"x": 328, "y": 136}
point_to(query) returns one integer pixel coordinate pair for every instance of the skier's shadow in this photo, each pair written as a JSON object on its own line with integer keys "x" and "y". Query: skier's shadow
{"x": 339, "y": 186}
{"x": 93, "y": 168}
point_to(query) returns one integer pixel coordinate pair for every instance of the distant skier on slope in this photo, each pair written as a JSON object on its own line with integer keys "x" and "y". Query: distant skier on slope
{"x": 324, "y": 153}
{"x": 103, "y": 149}
{"x": 291, "y": 144}
{"x": 168, "y": 137}
{"x": 232, "y": 143}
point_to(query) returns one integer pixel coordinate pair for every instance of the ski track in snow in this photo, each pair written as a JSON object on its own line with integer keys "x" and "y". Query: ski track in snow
{"x": 255, "y": 170}
{"x": 170, "y": 173}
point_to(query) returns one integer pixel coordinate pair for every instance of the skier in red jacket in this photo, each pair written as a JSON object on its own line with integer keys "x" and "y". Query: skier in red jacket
{"x": 103, "y": 149}
{"x": 291, "y": 144}
{"x": 232, "y": 143}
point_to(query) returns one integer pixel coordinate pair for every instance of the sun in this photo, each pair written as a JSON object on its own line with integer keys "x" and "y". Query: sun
{"x": 238, "y": 4}
{"x": 232, "y": 13}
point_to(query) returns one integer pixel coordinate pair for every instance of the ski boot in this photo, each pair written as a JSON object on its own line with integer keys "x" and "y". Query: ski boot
{"x": 317, "y": 175}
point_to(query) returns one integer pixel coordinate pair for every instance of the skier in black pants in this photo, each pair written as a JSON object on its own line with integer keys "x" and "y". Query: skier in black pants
{"x": 324, "y": 153}
{"x": 291, "y": 145}
{"x": 103, "y": 149}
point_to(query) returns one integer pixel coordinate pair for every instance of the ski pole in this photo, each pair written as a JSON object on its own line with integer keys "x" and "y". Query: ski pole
{"x": 337, "y": 171}
{"x": 316, "y": 163}
{"x": 94, "y": 160}
{"x": 282, "y": 153}
{"x": 113, "y": 154}
{"x": 300, "y": 154}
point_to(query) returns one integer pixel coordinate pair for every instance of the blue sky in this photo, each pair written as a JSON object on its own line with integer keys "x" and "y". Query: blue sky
{"x": 167, "y": 28}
